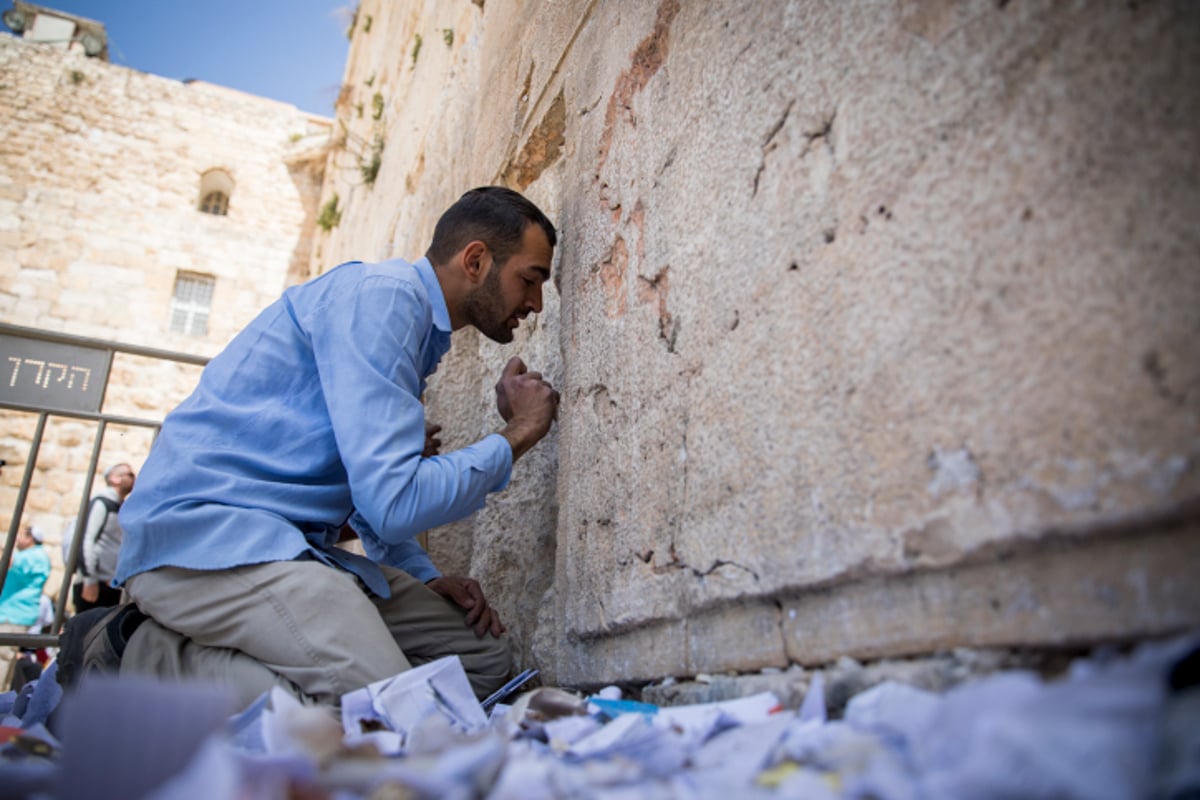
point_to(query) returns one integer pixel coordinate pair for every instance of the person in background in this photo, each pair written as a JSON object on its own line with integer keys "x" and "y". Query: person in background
{"x": 21, "y": 598}
{"x": 102, "y": 542}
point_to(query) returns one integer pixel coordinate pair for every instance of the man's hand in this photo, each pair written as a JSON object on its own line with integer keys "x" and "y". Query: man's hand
{"x": 527, "y": 402}
{"x": 90, "y": 592}
{"x": 466, "y": 593}
{"x": 433, "y": 445}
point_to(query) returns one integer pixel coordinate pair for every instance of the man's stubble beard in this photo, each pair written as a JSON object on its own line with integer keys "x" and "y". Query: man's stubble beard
{"x": 484, "y": 308}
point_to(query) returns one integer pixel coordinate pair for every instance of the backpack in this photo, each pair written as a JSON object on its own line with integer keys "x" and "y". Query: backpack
{"x": 110, "y": 507}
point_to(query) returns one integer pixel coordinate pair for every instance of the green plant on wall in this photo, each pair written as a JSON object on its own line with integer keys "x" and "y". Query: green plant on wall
{"x": 330, "y": 215}
{"x": 416, "y": 51}
{"x": 369, "y": 166}
{"x": 377, "y": 107}
{"x": 353, "y": 23}
{"x": 367, "y": 23}
{"x": 448, "y": 36}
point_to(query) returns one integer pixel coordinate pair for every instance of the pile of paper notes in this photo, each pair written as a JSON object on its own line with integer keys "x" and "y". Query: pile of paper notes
{"x": 1114, "y": 727}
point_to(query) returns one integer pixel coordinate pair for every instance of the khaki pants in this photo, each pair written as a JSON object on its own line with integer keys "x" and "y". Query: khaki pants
{"x": 302, "y": 625}
{"x": 9, "y": 653}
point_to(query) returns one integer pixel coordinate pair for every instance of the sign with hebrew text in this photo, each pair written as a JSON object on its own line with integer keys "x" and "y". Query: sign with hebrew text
{"x": 52, "y": 376}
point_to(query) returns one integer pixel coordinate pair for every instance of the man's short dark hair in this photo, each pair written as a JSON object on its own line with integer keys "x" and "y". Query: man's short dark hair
{"x": 495, "y": 215}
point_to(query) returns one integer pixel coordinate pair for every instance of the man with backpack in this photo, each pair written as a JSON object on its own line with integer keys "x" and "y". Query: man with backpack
{"x": 101, "y": 542}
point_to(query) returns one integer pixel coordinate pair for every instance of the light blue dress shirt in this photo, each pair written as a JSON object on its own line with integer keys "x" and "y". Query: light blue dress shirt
{"x": 311, "y": 413}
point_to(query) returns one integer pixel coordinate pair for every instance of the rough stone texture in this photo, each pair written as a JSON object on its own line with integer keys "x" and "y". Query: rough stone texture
{"x": 848, "y": 677}
{"x": 855, "y": 304}
{"x": 429, "y": 158}
{"x": 1064, "y": 593}
{"x": 100, "y": 170}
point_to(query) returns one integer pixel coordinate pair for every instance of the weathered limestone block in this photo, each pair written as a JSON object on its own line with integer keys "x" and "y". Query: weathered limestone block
{"x": 17, "y": 426}
{"x": 855, "y": 306}
{"x": 902, "y": 272}
{"x": 99, "y": 212}
{"x": 41, "y": 500}
{"x": 1061, "y": 594}
{"x": 50, "y": 457}
{"x": 72, "y": 434}
{"x": 59, "y": 483}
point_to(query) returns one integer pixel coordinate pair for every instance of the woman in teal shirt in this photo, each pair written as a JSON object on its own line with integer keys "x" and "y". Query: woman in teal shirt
{"x": 22, "y": 593}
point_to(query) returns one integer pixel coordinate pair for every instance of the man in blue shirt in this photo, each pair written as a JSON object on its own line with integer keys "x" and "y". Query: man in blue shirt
{"x": 311, "y": 420}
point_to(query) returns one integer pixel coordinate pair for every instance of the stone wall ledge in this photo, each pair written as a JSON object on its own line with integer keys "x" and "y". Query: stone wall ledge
{"x": 1126, "y": 580}
{"x": 845, "y": 678}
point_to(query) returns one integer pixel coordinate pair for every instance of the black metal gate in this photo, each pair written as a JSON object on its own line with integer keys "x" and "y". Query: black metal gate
{"x": 55, "y": 374}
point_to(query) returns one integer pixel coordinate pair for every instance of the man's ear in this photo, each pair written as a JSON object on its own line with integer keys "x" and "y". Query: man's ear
{"x": 477, "y": 260}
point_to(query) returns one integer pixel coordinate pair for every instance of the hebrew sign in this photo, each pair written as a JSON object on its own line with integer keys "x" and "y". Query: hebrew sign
{"x": 52, "y": 376}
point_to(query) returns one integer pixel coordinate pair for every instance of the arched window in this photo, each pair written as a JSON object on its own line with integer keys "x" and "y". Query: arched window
{"x": 216, "y": 186}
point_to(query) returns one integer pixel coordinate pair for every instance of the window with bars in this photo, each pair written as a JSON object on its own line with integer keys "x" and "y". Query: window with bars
{"x": 192, "y": 303}
{"x": 215, "y": 203}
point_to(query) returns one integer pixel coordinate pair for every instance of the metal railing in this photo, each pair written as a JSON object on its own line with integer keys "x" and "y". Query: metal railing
{"x": 57, "y": 374}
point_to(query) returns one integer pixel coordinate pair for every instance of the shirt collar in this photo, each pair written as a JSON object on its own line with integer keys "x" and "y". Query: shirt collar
{"x": 437, "y": 300}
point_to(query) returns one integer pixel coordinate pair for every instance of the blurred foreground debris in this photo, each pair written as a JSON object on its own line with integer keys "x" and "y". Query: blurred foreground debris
{"x": 1113, "y": 727}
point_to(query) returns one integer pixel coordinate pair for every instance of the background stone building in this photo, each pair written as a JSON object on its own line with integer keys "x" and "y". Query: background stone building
{"x": 875, "y": 322}
{"x": 138, "y": 209}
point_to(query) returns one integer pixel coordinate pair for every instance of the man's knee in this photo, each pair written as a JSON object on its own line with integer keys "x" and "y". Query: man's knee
{"x": 488, "y": 665}
{"x": 157, "y": 651}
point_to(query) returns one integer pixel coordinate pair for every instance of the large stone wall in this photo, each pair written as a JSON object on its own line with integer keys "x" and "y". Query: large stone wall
{"x": 100, "y": 177}
{"x": 875, "y": 323}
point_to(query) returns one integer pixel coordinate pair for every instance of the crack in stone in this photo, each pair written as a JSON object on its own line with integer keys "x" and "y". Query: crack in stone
{"x": 716, "y": 565}
{"x": 778, "y": 126}
{"x": 823, "y": 134}
{"x": 654, "y": 291}
{"x": 612, "y": 278}
{"x": 676, "y": 564}
{"x": 769, "y": 144}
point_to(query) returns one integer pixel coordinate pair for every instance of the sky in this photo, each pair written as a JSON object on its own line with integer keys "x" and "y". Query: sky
{"x": 288, "y": 50}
